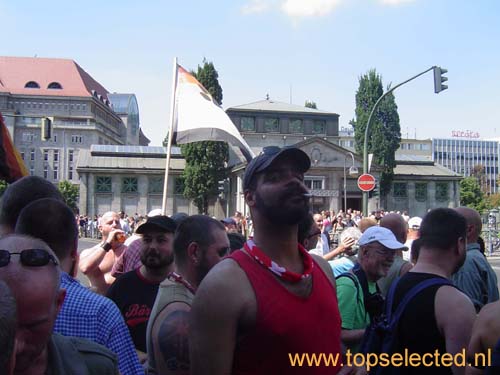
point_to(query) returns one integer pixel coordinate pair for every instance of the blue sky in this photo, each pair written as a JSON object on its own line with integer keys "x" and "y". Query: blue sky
{"x": 319, "y": 48}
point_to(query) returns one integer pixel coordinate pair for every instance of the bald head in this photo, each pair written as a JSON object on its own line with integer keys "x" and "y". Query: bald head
{"x": 474, "y": 223}
{"x": 396, "y": 224}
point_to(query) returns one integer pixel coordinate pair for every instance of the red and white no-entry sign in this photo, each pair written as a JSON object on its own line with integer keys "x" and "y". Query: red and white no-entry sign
{"x": 366, "y": 182}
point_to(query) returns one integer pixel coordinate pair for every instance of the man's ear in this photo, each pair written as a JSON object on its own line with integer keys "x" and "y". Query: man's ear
{"x": 194, "y": 252}
{"x": 249, "y": 198}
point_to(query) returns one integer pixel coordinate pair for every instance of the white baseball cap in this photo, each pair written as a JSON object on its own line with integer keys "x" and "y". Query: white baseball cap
{"x": 414, "y": 223}
{"x": 382, "y": 235}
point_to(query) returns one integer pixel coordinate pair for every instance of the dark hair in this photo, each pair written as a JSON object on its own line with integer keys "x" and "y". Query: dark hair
{"x": 8, "y": 319}
{"x": 196, "y": 228}
{"x": 482, "y": 246}
{"x": 53, "y": 222}
{"x": 441, "y": 228}
{"x": 21, "y": 193}
{"x": 305, "y": 226}
{"x": 236, "y": 241}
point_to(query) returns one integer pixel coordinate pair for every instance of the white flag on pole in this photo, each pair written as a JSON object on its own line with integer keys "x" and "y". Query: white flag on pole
{"x": 198, "y": 117}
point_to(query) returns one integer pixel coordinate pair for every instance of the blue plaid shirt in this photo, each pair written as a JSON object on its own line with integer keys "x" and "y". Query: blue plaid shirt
{"x": 91, "y": 316}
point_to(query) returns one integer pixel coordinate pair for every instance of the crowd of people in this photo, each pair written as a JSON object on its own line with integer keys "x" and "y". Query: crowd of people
{"x": 193, "y": 294}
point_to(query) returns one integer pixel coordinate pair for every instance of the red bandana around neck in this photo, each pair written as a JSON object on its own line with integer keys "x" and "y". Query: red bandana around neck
{"x": 275, "y": 268}
{"x": 174, "y": 276}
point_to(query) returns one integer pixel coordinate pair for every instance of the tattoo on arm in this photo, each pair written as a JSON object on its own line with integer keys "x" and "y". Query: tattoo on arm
{"x": 173, "y": 341}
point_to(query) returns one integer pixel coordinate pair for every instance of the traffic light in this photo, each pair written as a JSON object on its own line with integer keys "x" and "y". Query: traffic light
{"x": 221, "y": 186}
{"x": 47, "y": 128}
{"x": 439, "y": 79}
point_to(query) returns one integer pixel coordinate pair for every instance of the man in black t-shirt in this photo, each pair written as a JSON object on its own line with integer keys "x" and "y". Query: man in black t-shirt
{"x": 134, "y": 292}
{"x": 440, "y": 317}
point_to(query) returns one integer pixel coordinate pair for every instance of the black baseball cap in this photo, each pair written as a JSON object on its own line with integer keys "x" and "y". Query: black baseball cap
{"x": 157, "y": 223}
{"x": 268, "y": 155}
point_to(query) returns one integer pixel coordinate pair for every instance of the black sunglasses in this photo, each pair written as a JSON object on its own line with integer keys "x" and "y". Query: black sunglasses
{"x": 29, "y": 257}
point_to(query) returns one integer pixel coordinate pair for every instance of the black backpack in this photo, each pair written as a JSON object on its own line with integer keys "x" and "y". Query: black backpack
{"x": 381, "y": 335}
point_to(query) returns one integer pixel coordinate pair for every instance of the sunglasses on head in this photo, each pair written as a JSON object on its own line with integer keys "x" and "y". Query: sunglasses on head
{"x": 29, "y": 257}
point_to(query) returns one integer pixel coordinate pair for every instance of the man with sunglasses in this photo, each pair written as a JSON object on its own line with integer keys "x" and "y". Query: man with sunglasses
{"x": 84, "y": 313}
{"x": 97, "y": 262}
{"x": 200, "y": 242}
{"x": 271, "y": 298}
{"x": 31, "y": 270}
{"x": 359, "y": 298}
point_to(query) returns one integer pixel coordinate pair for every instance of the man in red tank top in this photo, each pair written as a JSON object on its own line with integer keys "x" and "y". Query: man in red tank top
{"x": 271, "y": 304}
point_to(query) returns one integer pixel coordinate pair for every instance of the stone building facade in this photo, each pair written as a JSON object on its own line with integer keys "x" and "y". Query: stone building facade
{"x": 82, "y": 111}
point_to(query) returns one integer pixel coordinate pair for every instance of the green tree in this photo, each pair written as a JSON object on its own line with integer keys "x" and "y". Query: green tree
{"x": 471, "y": 194}
{"x": 205, "y": 161}
{"x": 70, "y": 194}
{"x": 310, "y": 104}
{"x": 384, "y": 135}
{"x": 3, "y": 186}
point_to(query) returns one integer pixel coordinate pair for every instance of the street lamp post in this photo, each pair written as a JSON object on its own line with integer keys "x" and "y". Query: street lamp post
{"x": 365, "y": 145}
{"x": 353, "y": 171}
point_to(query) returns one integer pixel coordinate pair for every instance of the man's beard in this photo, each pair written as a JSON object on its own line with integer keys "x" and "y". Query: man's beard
{"x": 155, "y": 260}
{"x": 279, "y": 212}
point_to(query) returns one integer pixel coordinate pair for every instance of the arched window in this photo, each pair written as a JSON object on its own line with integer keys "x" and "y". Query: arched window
{"x": 32, "y": 85}
{"x": 54, "y": 85}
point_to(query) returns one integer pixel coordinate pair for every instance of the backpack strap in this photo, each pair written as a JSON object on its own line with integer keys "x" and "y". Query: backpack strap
{"x": 394, "y": 319}
{"x": 353, "y": 279}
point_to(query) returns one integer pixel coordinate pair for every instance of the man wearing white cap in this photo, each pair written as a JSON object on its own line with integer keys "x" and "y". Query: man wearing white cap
{"x": 413, "y": 227}
{"x": 357, "y": 292}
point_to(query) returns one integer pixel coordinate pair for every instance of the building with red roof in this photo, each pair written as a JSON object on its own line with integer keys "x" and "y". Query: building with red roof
{"x": 83, "y": 113}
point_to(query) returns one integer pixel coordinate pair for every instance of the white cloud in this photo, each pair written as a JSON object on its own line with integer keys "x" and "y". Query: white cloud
{"x": 255, "y": 6}
{"x": 309, "y": 8}
{"x": 395, "y": 2}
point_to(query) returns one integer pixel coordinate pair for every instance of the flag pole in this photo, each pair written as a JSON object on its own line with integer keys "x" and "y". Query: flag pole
{"x": 169, "y": 140}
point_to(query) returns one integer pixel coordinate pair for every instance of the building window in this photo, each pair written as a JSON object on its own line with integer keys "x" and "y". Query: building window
{"x": 319, "y": 126}
{"x": 71, "y": 155}
{"x": 28, "y": 137}
{"x": 76, "y": 138}
{"x": 400, "y": 190}
{"x": 56, "y": 155}
{"x": 22, "y": 155}
{"x": 248, "y": 124}
{"x": 31, "y": 85}
{"x": 296, "y": 126}
{"x": 46, "y": 155}
{"x": 271, "y": 125}
{"x": 70, "y": 172}
{"x": 103, "y": 184}
{"x": 32, "y": 170}
{"x": 421, "y": 191}
{"x": 179, "y": 186}
{"x": 155, "y": 185}
{"x": 32, "y": 154}
{"x": 46, "y": 171}
{"x": 56, "y": 172}
{"x": 314, "y": 183}
{"x": 441, "y": 191}
{"x": 54, "y": 86}
{"x": 129, "y": 185}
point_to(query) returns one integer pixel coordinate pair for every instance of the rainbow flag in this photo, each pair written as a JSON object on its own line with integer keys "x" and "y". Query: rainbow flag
{"x": 12, "y": 165}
